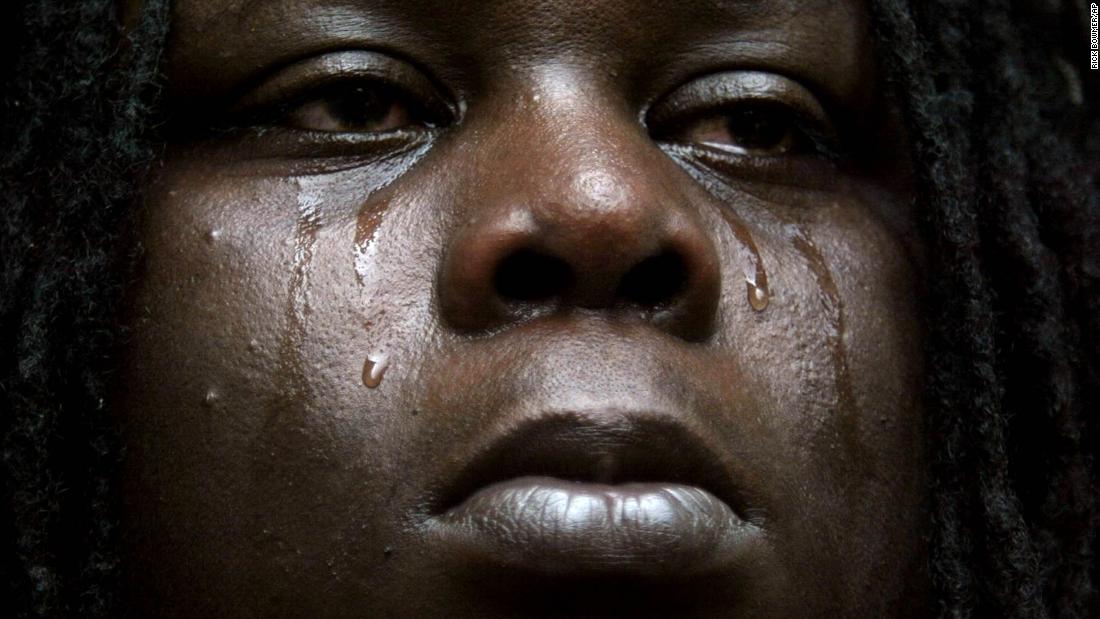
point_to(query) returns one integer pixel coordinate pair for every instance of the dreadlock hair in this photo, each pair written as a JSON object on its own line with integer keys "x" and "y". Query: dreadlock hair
{"x": 1005, "y": 151}
{"x": 1005, "y": 136}
{"x": 75, "y": 103}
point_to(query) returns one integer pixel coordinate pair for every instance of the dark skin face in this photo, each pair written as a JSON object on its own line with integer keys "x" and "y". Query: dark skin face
{"x": 525, "y": 308}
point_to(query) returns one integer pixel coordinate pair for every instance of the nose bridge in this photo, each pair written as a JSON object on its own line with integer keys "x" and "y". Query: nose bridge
{"x": 578, "y": 168}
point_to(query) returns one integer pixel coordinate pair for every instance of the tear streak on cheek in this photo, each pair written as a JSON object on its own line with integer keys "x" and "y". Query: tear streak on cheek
{"x": 845, "y": 406}
{"x": 364, "y": 252}
{"x": 307, "y": 226}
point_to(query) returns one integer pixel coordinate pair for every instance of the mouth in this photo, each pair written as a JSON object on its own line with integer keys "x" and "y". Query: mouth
{"x": 595, "y": 495}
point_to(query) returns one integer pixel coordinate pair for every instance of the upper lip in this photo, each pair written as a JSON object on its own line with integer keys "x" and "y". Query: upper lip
{"x": 606, "y": 448}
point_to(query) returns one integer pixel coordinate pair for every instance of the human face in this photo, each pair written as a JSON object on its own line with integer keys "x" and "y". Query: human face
{"x": 525, "y": 308}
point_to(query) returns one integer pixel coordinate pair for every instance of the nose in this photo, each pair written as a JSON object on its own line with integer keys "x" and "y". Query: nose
{"x": 578, "y": 223}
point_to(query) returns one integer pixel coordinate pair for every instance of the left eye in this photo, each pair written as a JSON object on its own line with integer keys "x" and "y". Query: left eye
{"x": 353, "y": 108}
{"x": 748, "y": 128}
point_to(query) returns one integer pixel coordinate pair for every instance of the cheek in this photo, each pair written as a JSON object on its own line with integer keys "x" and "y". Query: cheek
{"x": 875, "y": 447}
{"x": 846, "y": 330}
{"x": 210, "y": 307}
{"x": 827, "y": 385}
{"x": 262, "y": 300}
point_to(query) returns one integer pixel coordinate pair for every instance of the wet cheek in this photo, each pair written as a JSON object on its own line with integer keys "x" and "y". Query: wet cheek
{"x": 825, "y": 380}
{"x": 836, "y": 352}
{"x": 886, "y": 354}
{"x": 865, "y": 445}
{"x": 279, "y": 326}
{"x": 249, "y": 327}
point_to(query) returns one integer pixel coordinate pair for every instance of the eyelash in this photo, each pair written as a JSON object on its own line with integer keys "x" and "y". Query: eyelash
{"x": 331, "y": 94}
{"x": 808, "y": 136}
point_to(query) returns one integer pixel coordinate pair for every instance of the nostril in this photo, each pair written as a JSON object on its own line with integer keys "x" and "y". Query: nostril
{"x": 655, "y": 281}
{"x": 526, "y": 275}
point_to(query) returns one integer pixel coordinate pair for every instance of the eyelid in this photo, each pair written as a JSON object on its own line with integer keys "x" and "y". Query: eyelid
{"x": 712, "y": 93}
{"x": 315, "y": 74}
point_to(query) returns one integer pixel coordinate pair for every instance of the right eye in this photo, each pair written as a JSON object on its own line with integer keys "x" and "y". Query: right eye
{"x": 350, "y": 93}
{"x": 356, "y": 107}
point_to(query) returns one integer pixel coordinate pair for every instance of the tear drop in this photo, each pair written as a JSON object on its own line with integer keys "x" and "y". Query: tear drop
{"x": 373, "y": 369}
{"x": 758, "y": 296}
{"x": 756, "y": 276}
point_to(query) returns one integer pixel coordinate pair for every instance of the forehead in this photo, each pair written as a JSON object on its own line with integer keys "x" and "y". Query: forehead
{"x": 820, "y": 40}
{"x": 553, "y": 17}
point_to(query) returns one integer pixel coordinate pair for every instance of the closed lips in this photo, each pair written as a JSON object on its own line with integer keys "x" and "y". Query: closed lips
{"x": 575, "y": 496}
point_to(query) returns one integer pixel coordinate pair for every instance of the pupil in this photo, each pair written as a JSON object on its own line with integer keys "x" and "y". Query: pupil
{"x": 756, "y": 129}
{"x": 360, "y": 107}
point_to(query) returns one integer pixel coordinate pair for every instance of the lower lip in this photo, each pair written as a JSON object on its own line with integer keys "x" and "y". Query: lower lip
{"x": 556, "y": 526}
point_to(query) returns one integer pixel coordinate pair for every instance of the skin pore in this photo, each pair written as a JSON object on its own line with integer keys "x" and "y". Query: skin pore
{"x": 525, "y": 308}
